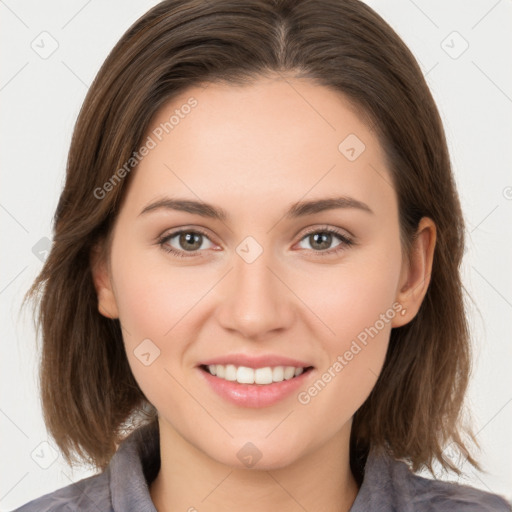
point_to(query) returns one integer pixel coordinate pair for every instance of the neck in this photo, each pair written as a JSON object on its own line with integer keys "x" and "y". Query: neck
{"x": 190, "y": 480}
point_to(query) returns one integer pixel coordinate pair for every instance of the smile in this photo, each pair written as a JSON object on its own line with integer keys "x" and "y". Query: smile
{"x": 257, "y": 387}
{"x": 261, "y": 376}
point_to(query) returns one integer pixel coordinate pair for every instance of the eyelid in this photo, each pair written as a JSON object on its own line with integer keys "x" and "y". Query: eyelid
{"x": 332, "y": 229}
{"x": 169, "y": 233}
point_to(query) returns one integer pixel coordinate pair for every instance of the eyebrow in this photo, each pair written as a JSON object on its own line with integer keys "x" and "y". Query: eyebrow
{"x": 296, "y": 210}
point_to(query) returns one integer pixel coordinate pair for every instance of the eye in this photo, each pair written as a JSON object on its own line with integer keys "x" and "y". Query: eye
{"x": 190, "y": 242}
{"x": 320, "y": 239}
{"x": 187, "y": 241}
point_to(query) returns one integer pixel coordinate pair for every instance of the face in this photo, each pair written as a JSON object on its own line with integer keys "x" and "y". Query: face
{"x": 270, "y": 284}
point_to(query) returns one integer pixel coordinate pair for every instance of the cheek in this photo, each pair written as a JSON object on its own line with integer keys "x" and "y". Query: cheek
{"x": 153, "y": 296}
{"x": 153, "y": 300}
{"x": 355, "y": 305}
{"x": 352, "y": 296}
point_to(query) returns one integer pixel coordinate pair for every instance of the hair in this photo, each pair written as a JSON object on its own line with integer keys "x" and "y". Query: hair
{"x": 88, "y": 392}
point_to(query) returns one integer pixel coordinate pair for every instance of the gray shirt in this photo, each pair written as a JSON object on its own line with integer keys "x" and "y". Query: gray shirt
{"x": 388, "y": 486}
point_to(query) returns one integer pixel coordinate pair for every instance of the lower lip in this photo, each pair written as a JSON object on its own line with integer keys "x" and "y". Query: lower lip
{"x": 254, "y": 395}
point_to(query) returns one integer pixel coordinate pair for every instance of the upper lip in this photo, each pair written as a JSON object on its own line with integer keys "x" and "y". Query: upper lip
{"x": 255, "y": 361}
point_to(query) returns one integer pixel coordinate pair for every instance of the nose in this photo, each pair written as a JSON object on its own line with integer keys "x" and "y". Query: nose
{"x": 256, "y": 302}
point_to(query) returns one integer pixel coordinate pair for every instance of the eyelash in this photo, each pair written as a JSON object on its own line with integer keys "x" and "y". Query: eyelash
{"x": 345, "y": 241}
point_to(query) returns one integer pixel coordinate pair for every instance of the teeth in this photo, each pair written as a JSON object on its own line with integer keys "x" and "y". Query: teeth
{"x": 278, "y": 374}
{"x": 289, "y": 372}
{"x": 245, "y": 375}
{"x": 262, "y": 375}
{"x": 230, "y": 372}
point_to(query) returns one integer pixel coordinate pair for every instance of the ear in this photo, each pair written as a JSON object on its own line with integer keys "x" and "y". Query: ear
{"x": 415, "y": 274}
{"x": 107, "y": 304}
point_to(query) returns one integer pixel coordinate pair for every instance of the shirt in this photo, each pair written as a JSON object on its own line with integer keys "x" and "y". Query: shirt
{"x": 388, "y": 486}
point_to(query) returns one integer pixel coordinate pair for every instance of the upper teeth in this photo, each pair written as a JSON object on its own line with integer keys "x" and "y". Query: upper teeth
{"x": 245, "y": 375}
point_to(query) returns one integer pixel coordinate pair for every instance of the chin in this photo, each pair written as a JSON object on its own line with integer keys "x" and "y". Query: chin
{"x": 259, "y": 454}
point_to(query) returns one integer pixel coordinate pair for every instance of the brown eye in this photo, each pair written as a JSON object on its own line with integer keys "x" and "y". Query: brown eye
{"x": 190, "y": 241}
{"x": 321, "y": 241}
{"x": 185, "y": 241}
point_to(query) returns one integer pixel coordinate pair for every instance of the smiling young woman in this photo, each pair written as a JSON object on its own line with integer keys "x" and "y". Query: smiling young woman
{"x": 255, "y": 271}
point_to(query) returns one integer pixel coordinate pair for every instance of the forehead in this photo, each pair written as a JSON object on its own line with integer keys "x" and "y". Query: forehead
{"x": 273, "y": 141}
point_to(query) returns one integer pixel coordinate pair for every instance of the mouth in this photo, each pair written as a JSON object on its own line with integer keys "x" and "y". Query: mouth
{"x": 256, "y": 380}
{"x": 263, "y": 376}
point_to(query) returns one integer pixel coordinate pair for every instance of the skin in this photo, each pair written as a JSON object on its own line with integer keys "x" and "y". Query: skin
{"x": 255, "y": 150}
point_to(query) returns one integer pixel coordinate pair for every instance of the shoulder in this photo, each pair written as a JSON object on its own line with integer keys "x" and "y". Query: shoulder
{"x": 436, "y": 495}
{"x": 389, "y": 485}
{"x": 121, "y": 487}
{"x": 89, "y": 494}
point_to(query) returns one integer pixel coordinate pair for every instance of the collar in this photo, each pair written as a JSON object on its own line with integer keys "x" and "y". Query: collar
{"x": 137, "y": 462}
{"x": 388, "y": 484}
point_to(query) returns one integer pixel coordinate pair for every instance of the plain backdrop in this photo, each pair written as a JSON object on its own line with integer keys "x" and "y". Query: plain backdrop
{"x": 51, "y": 52}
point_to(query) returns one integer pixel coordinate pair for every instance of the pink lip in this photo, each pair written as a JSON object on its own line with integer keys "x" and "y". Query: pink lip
{"x": 256, "y": 361}
{"x": 254, "y": 395}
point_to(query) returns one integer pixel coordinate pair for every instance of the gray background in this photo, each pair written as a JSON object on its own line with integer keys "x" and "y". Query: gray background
{"x": 463, "y": 48}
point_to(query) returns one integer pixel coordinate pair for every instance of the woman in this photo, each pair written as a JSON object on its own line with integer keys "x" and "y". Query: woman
{"x": 255, "y": 271}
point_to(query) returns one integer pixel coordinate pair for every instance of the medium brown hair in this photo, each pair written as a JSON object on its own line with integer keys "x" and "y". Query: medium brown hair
{"x": 88, "y": 391}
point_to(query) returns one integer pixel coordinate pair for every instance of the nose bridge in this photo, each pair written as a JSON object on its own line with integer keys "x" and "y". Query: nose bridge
{"x": 256, "y": 302}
